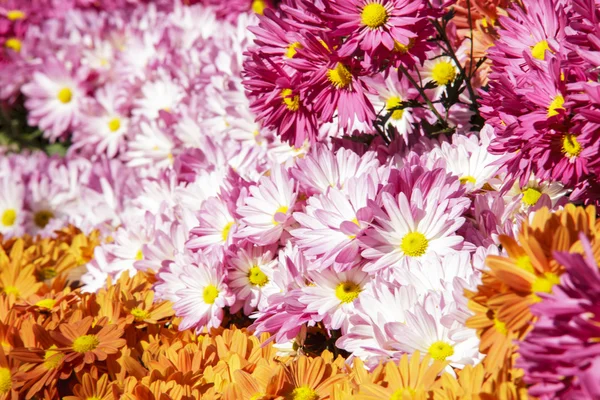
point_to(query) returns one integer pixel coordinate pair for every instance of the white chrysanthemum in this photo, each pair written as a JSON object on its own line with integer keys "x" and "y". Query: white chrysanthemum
{"x": 150, "y": 147}
{"x": 11, "y": 206}
{"x": 441, "y": 70}
{"x": 333, "y": 295}
{"x": 161, "y": 94}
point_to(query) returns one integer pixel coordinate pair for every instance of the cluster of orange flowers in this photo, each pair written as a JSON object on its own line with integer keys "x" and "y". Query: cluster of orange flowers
{"x": 511, "y": 285}
{"x": 58, "y": 342}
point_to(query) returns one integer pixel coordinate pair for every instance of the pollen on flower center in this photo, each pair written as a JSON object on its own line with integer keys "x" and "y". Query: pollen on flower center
{"x": 443, "y": 73}
{"x": 65, "y": 95}
{"x": 46, "y": 303}
{"x": 570, "y": 145}
{"x": 394, "y": 102}
{"x": 539, "y": 50}
{"x": 140, "y": 314}
{"x": 114, "y": 124}
{"x": 531, "y": 196}
{"x": 257, "y": 277}
{"x": 9, "y": 217}
{"x": 290, "y": 52}
{"x": 52, "y": 358}
{"x": 339, "y": 77}
{"x": 225, "y": 231}
{"x": 304, "y": 393}
{"x": 14, "y": 15}
{"x": 524, "y": 262}
{"x": 500, "y": 326}
{"x": 555, "y": 105}
{"x": 139, "y": 256}
{"x": 258, "y": 6}
{"x": 466, "y": 179}
{"x": 399, "y": 394}
{"x": 5, "y": 380}
{"x": 13, "y": 44}
{"x": 292, "y": 102}
{"x": 347, "y": 292}
{"x": 210, "y": 294}
{"x": 11, "y": 290}
{"x": 42, "y": 217}
{"x": 85, "y": 343}
{"x": 414, "y": 244}
{"x": 545, "y": 283}
{"x": 402, "y": 48}
{"x": 374, "y": 15}
{"x": 440, "y": 350}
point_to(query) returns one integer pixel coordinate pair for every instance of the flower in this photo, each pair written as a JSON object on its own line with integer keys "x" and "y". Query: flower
{"x": 12, "y": 213}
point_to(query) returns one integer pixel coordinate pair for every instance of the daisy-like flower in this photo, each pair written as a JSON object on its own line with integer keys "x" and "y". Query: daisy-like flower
{"x": 151, "y": 146}
{"x": 217, "y": 226}
{"x": 425, "y": 332}
{"x": 408, "y": 230}
{"x": 54, "y": 99}
{"x": 331, "y": 223}
{"x": 536, "y": 193}
{"x": 250, "y": 277}
{"x": 389, "y": 94}
{"x": 203, "y": 295}
{"x": 333, "y": 295}
{"x": 372, "y": 24}
{"x": 311, "y": 378}
{"x": 268, "y": 208}
{"x": 93, "y": 388}
{"x": 85, "y": 344}
{"x": 441, "y": 70}
{"x": 12, "y": 214}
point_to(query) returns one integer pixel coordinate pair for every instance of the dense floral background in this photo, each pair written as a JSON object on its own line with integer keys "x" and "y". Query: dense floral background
{"x": 299, "y": 199}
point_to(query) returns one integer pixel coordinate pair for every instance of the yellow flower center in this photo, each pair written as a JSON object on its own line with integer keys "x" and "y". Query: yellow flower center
{"x": 443, "y": 73}
{"x": 339, "y": 77}
{"x": 414, "y": 244}
{"x": 467, "y": 178}
{"x": 570, "y": 146}
{"x": 531, "y": 196}
{"x": 347, "y": 292}
{"x": 555, "y": 105}
{"x": 283, "y": 210}
{"x": 524, "y": 262}
{"x": 374, "y": 15}
{"x": 14, "y": 15}
{"x": 114, "y": 124}
{"x": 65, "y": 95}
{"x": 500, "y": 326}
{"x": 257, "y": 277}
{"x": 9, "y": 217}
{"x": 5, "y": 380}
{"x": 292, "y": 102}
{"x": 85, "y": 343}
{"x": 52, "y": 358}
{"x": 291, "y": 49}
{"x": 544, "y": 284}
{"x": 13, "y": 44}
{"x": 225, "y": 231}
{"x": 42, "y": 217}
{"x": 257, "y": 396}
{"x": 210, "y": 294}
{"x": 46, "y": 303}
{"x": 394, "y": 102}
{"x": 440, "y": 350}
{"x": 140, "y": 314}
{"x": 399, "y": 394}
{"x": 402, "y": 48}
{"x": 539, "y": 50}
{"x": 139, "y": 256}
{"x": 304, "y": 393}
{"x": 258, "y": 6}
{"x": 12, "y": 290}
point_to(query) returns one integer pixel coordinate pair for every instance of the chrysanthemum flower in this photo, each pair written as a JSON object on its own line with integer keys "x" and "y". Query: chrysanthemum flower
{"x": 54, "y": 99}
{"x": 250, "y": 277}
{"x": 333, "y": 295}
{"x": 203, "y": 294}
{"x": 12, "y": 213}
{"x": 86, "y": 344}
{"x": 269, "y": 208}
{"x": 312, "y": 378}
{"x": 94, "y": 388}
{"x": 441, "y": 70}
{"x": 407, "y": 230}
{"x": 376, "y": 24}
{"x": 217, "y": 226}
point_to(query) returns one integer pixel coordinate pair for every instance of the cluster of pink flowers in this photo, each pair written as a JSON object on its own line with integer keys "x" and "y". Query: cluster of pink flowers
{"x": 280, "y": 163}
{"x": 543, "y": 97}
